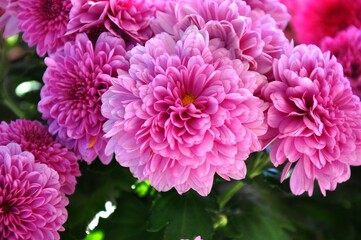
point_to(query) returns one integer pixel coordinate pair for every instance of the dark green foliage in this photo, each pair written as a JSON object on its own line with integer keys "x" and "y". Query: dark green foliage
{"x": 182, "y": 216}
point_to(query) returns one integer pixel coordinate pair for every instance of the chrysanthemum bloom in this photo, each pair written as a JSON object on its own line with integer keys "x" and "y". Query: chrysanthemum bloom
{"x": 75, "y": 79}
{"x": 127, "y": 18}
{"x": 44, "y": 23}
{"x": 314, "y": 20}
{"x": 250, "y": 35}
{"x": 34, "y": 137}
{"x": 346, "y": 46}
{"x": 317, "y": 117}
{"x": 273, "y": 7}
{"x": 179, "y": 115}
{"x": 31, "y": 203}
{"x": 8, "y": 17}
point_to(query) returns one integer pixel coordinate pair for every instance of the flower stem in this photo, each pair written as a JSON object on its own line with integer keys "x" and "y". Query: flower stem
{"x": 223, "y": 200}
{"x": 259, "y": 165}
{"x": 4, "y": 96}
{"x": 12, "y": 106}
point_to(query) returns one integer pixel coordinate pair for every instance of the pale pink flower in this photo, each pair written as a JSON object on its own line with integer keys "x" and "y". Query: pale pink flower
{"x": 317, "y": 118}
{"x": 249, "y": 35}
{"x": 273, "y": 7}
{"x": 179, "y": 116}
{"x": 75, "y": 78}
{"x": 34, "y": 137}
{"x": 43, "y": 23}
{"x": 8, "y": 17}
{"x": 314, "y": 20}
{"x": 346, "y": 46}
{"x": 31, "y": 204}
{"x": 127, "y": 18}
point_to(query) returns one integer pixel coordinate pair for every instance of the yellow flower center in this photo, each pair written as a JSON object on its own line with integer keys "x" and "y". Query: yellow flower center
{"x": 188, "y": 98}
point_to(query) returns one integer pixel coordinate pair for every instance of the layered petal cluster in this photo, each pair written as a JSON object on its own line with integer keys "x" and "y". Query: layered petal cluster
{"x": 76, "y": 77}
{"x": 8, "y": 17}
{"x": 248, "y": 34}
{"x": 43, "y": 23}
{"x": 317, "y": 117}
{"x": 313, "y": 20}
{"x": 34, "y": 137}
{"x": 346, "y": 46}
{"x": 179, "y": 115}
{"x": 31, "y": 203}
{"x": 127, "y": 18}
{"x": 273, "y": 7}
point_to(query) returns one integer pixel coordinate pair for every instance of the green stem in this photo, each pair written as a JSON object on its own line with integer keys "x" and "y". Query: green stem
{"x": 4, "y": 96}
{"x": 223, "y": 200}
{"x": 259, "y": 165}
{"x": 13, "y": 107}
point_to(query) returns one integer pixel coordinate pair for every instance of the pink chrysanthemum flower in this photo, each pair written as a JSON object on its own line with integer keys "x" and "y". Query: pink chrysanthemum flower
{"x": 127, "y": 18}
{"x": 313, "y": 20}
{"x": 249, "y": 35}
{"x": 179, "y": 115}
{"x": 33, "y": 137}
{"x": 44, "y": 23}
{"x": 31, "y": 204}
{"x": 317, "y": 117}
{"x": 8, "y": 17}
{"x": 273, "y": 7}
{"x": 75, "y": 78}
{"x": 346, "y": 46}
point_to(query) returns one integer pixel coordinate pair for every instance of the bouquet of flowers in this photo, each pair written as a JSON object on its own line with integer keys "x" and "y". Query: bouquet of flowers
{"x": 180, "y": 116}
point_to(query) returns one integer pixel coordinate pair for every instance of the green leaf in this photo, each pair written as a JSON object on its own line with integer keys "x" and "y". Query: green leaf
{"x": 97, "y": 185}
{"x": 258, "y": 223}
{"x": 96, "y": 235}
{"x": 256, "y": 214}
{"x": 128, "y": 222}
{"x": 182, "y": 216}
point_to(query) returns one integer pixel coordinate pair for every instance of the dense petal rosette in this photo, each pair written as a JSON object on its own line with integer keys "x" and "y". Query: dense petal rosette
{"x": 31, "y": 203}
{"x": 314, "y": 20}
{"x": 44, "y": 23}
{"x": 346, "y": 46}
{"x": 178, "y": 116}
{"x": 126, "y": 18}
{"x": 317, "y": 117}
{"x": 251, "y": 35}
{"x": 75, "y": 78}
{"x": 33, "y": 137}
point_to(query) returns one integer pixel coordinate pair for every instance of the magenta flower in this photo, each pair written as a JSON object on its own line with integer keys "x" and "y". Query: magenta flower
{"x": 31, "y": 204}
{"x": 179, "y": 115}
{"x": 8, "y": 17}
{"x": 127, "y": 18}
{"x": 346, "y": 46}
{"x": 249, "y": 35}
{"x": 44, "y": 23}
{"x": 275, "y": 8}
{"x": 317, "y": 118}
{"x": 313, "y": 20}
{"x": 75, "y": 78}
{"x": 33, "y": 137}
{"x": 291, "y": 5}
